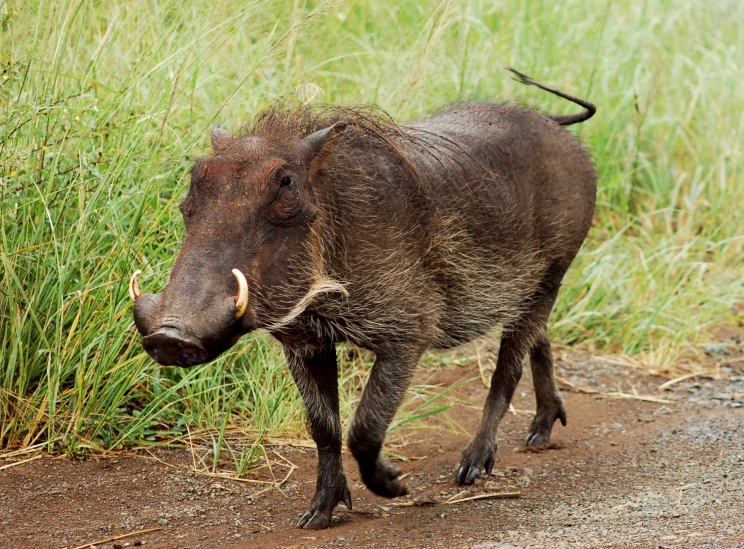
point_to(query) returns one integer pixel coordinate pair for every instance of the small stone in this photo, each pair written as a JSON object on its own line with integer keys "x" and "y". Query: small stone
{"x": 527, "y": 471}
{"x": 717, "y": 349}
{"x": 163, "y": 522}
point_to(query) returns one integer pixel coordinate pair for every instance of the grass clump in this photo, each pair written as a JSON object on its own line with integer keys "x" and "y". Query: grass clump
{"x": 103, "y": 105}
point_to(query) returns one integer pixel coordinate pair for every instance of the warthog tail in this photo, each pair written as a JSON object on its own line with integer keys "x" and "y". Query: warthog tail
{"x": 562, "y": 119}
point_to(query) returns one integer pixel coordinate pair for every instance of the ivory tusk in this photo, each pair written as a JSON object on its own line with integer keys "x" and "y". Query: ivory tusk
{"x": 134, "y": 289}
{"x": 241, "y": 302}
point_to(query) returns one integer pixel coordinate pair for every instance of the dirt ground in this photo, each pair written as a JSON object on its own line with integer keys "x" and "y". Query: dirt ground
{"x": 624, "y": 473}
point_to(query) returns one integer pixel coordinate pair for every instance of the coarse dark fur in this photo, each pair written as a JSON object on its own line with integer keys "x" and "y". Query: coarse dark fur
{"x": 350, "y": 228}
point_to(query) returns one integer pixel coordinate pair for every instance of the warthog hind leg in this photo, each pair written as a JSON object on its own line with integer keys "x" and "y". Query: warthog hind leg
{"x": 549, "y": 404}
{"x": 480, "y": 454}
{"x": 528, "y": 334}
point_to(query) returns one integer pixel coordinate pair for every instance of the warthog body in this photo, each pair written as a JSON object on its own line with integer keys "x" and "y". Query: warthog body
{"x": 349, "y": 228}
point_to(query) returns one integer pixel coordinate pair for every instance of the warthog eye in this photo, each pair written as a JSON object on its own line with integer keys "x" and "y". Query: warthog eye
{"x": 287, "y": 199}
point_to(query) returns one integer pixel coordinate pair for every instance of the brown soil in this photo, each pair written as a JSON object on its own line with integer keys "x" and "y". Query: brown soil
{"x": 623, "y": 473}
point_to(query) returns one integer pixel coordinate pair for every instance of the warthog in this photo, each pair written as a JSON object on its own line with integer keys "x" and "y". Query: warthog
{"x": 329, "y": 225}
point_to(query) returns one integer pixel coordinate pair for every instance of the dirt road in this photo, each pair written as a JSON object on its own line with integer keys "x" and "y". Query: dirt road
{"x": 624, "y": 473}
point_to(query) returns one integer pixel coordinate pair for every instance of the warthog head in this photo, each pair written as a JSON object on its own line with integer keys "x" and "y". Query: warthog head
{"x": 247, "y": 259}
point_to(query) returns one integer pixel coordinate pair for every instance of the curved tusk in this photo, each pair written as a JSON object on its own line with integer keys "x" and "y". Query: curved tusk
{"x": 134, "y": 289}
{"x": 241, "y": 302}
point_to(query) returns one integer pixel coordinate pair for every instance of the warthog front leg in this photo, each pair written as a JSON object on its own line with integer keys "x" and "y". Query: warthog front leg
{"x": 316, "y": 373}
{"x": 385, "y": 390}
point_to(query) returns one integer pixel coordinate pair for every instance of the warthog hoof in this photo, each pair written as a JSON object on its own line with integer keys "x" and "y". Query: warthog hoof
{"x": 382, "y": 479}
{"x": 542, "y": 425}
{"x": 476, "y": 459}
{"x": 326, "y": 498}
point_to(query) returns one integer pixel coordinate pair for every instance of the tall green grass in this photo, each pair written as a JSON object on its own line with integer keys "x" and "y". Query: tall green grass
{"x": 104, "y": 104}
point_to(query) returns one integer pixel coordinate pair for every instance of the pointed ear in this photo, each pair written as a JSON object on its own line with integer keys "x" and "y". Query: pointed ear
{"x": 221, "y": 138}
{"x": 314, "y": 143}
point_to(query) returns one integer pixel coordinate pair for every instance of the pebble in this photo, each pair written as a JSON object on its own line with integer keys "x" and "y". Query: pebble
{"x": 716, "y": 348}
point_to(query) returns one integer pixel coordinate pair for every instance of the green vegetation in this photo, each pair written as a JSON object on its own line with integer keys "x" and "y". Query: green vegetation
{"x": 104, "y": 104}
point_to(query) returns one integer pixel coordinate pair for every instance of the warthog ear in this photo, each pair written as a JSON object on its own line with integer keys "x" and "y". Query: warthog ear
{"x": 221, "y": 138}
{"x": 314, "y": 143}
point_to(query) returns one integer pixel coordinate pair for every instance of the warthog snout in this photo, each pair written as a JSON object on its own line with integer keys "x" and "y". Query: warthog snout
{"x": 171, "y": 346}
{"x": 173, "y": 335}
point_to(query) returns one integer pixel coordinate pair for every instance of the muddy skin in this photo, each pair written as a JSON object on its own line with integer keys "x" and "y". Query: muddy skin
{"x": 349, "y": 228}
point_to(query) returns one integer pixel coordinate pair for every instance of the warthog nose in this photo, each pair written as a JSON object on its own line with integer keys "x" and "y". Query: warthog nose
{"x": 170, "y": 346}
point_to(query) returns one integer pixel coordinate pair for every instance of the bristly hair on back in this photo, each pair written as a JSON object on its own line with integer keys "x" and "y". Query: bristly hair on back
{"x": 283, "y": 121}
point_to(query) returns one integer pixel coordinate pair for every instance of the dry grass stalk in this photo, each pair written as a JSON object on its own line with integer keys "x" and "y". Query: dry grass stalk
{"x": 485, "y": 379}
{"x": 614, "y": 394}
{"x": 457, "y": 495}
{"x": 278, "y": 485}
{"x": 516, "y": 412}
{"x": 28, "y": 449}
{"x": 271, "y": 484}
{"x": 668, "y": 384}
{"x": 644, "y": 398}
{"x": 291, "y": 442}
{"x": 129, "y": 535}
{"x": 196, "y": 471}
{"x": 492, "y": 495}
{"x": 422, "y": 502}
{"x": 9, "y": 465}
